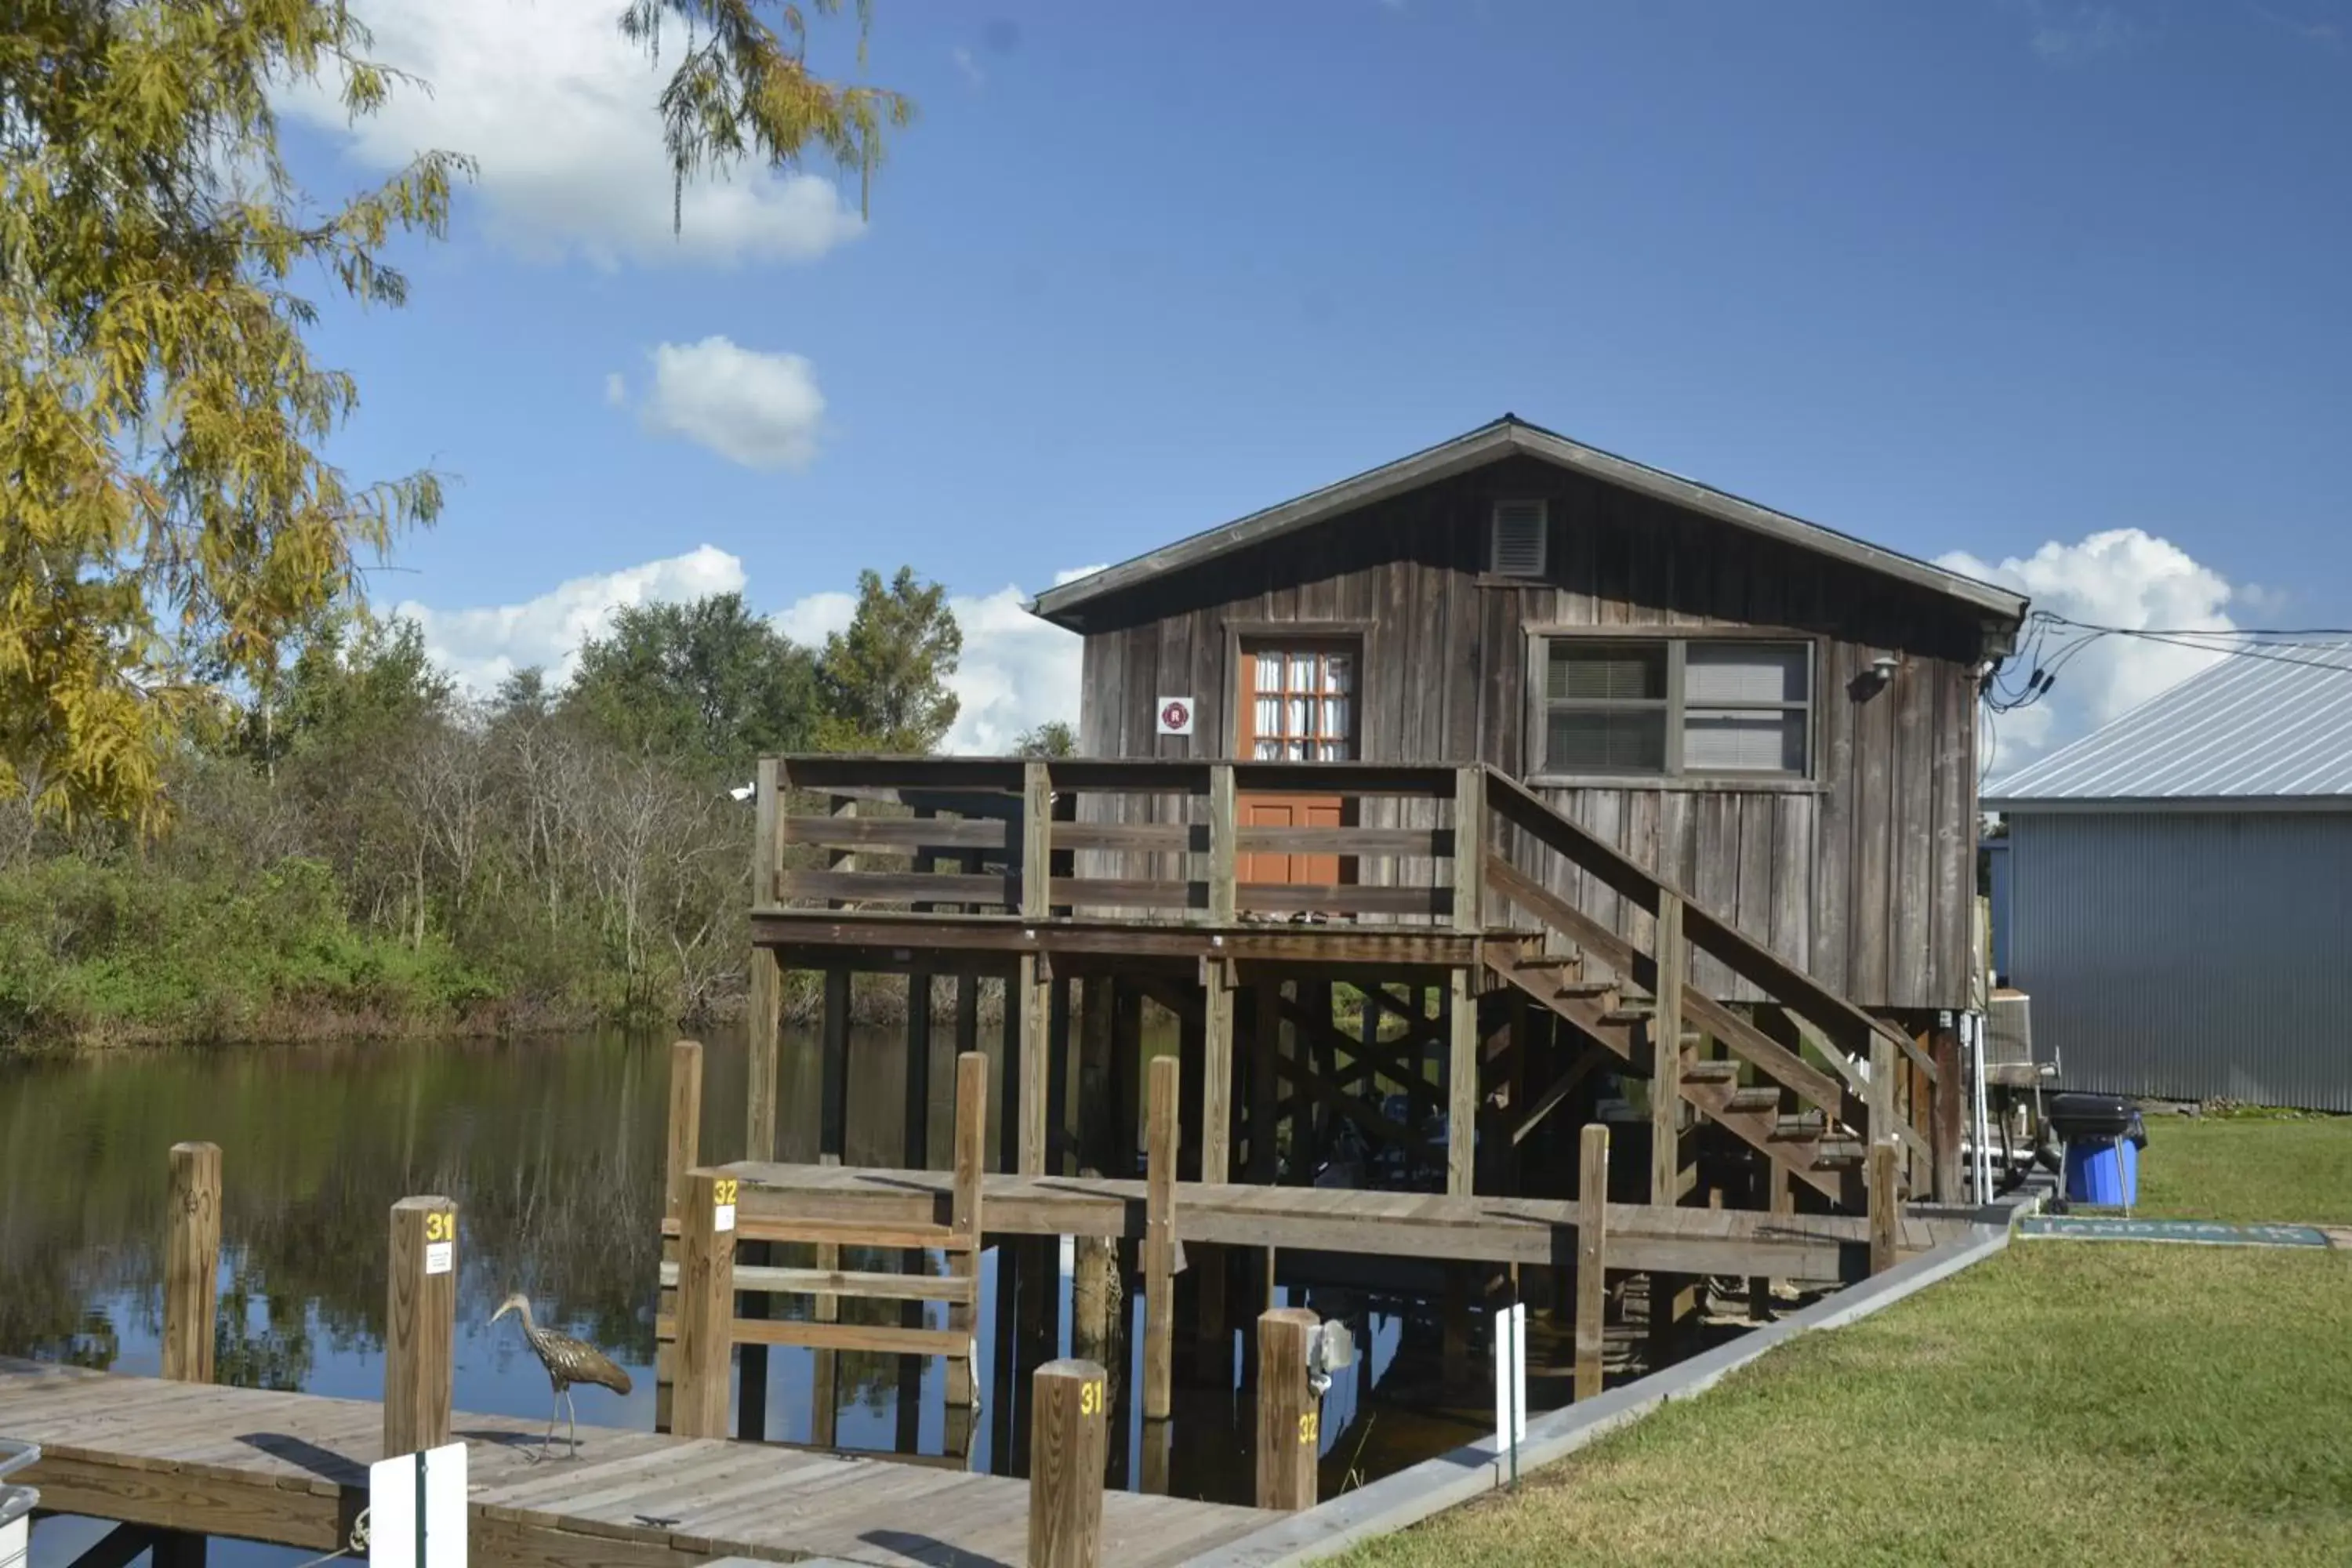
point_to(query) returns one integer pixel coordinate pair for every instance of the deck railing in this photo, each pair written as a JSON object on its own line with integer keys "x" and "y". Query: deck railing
{"x": 1169, "y": 840}
{"x": 1085, "y": 838}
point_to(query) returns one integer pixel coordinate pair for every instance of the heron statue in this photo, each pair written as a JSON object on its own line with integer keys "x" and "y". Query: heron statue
{"x": 568, "y": 1360}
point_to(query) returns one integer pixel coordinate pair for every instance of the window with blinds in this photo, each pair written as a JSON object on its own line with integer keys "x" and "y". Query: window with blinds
{"x": 1675, "y": 707}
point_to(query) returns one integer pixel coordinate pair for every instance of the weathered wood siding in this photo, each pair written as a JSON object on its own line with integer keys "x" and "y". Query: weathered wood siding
{"x": 1862, "y": 874}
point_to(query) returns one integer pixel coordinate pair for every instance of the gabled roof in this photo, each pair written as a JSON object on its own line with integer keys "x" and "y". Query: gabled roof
{"x": 1503, "y": 437}
{"x": 2266, "y": 725}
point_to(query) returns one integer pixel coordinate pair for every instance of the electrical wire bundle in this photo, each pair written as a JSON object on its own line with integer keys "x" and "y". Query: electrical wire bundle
{"x": 2052, "y": 641}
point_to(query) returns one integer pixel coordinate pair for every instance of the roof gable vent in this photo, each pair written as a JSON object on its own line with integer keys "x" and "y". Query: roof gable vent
{"x": 1516, "y": 547}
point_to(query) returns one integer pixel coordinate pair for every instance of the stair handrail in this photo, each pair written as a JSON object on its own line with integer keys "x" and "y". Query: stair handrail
{"x": 1845, "y": 1025}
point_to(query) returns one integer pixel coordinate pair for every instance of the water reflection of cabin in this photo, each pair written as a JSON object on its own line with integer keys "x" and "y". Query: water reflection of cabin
{"x": 1493, "y": 712}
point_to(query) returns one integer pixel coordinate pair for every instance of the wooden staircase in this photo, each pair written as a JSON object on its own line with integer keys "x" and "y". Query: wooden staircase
{"x": 1806, "y": 1145}
{"x": 1812, "y": 1123}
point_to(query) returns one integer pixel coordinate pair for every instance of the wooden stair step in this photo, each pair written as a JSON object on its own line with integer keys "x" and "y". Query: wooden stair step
{"x": 1758, "y": 1097}
{"x": 1710, "y": 1072}
{"x": 1803, "y": 1127}
{"x": 1585, "y": 988}
{"x": 1626, "y": 1013}
{"x": 1546, "y": 960}
{"x": 1836, "y": 1153}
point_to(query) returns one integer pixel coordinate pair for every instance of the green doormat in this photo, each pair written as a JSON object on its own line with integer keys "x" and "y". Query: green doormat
{"x": 2205, "y": 1232}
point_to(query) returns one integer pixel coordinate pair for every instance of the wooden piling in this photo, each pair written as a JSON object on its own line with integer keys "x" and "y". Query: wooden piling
{"x": 1158, "y": 1458}
{"x": 833, "y": 1072}
{"x": 1266, "y": 1046}
{"x": 764, "y": 980}
{"x": 1030, "y": 997}
{"x": 1289, "y": 1414}
{"x": 1160, "y": 1238}
{"x": 1068, "y": 1410}
{"x": 1097, "y": 1120}
{"x": 1097, "y": 1302}
{"x": 1216, "y": 1069}
{"x": 191, "y": 1262}
{"x": 681, "y": 1154}
{"x": 1461, "y": 1083}
{"x": 1949, "y": 1098}
{"x": 1666, "y": 1050}
{"x": 420, "y": 1325}
{"x": 824, "y": 1365}
{"x": 706, "y": 1304}
{"x": 1886, "y": 1205}
{"x": 1592, "y": 1261}
{"x": 965, "y": 1218}
{"x": 1777, "y": 1193}
{"x": 1127, "y": 1092}
{"x": 1453, "y": 1324}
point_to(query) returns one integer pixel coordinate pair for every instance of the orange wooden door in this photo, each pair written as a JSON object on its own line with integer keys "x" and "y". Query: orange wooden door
{"x": 1296, "y": 703}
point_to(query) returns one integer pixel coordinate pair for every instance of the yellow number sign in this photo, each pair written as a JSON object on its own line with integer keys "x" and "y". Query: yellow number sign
{"x": 442, "y": 1226}
{"x": 1311, "y": 1427}
{"x": 723, "y": 1190}
{"x": 1090, "y": 1398}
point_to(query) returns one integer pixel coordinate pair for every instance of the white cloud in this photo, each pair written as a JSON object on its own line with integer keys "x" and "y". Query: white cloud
{"x": 2121, "y": 577}
{"x": 482, "y": 646}
{"x": 2066, "y": 33}
{"x": 810, "y": 619}
{"x": 762, "y": 410}
{"x": 970, "y": 65}
{"x": 616, "y": 388}
{"x": 559, "y": 111}
{"x": 1017, "y": 672}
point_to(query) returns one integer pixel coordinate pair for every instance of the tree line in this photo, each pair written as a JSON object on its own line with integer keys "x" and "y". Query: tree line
{"x": 366, "y": 846}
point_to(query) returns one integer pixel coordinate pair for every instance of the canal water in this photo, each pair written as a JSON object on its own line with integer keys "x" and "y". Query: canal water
{"x": 553, "y": 1149}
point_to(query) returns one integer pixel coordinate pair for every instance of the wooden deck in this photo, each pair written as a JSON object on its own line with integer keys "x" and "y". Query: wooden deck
{"x": 291, "y": 1469}
{"x": 1399, "y": 1225}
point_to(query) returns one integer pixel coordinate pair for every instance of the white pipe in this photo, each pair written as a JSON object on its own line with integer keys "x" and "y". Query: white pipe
{"x": 1975, "y": 1030}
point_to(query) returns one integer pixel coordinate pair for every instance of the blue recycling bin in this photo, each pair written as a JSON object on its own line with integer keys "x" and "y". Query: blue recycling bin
{"x": 2103, "y": 1171}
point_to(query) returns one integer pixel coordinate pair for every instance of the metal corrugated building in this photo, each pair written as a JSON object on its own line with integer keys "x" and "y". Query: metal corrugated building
{"x": 2181, "y": 887}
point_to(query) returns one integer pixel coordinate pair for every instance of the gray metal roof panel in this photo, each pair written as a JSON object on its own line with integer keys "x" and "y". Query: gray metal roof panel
{"x": 2268, "y": 722}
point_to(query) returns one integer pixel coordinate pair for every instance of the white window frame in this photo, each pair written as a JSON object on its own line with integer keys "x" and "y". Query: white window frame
{"x": 1676, "y": 643}
{"x": 1543, "y": 536}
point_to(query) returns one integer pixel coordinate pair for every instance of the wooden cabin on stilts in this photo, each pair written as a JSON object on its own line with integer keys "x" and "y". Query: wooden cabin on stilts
{"x": 1419, "y": 825}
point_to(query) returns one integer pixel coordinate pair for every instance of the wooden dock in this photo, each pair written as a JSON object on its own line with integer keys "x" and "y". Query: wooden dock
{"x": 1824, "y": 1247}
{"x": 291, "y": 1469}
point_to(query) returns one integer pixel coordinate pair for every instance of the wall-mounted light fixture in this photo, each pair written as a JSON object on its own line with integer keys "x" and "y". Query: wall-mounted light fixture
{"x": 1885, "y": 665}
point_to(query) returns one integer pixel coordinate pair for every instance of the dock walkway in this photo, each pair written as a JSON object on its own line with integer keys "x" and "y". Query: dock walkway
{"x": 1379, "y": 1224}
{"x": 291, "y": 1469}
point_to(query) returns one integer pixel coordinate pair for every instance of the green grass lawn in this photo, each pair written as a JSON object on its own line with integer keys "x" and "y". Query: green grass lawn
{"x": 2059, "y": 1402}
{"x": 2248, "y": 1169}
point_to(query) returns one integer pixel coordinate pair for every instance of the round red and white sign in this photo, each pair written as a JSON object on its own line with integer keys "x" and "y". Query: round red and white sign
{"x": 1175, "y": 715}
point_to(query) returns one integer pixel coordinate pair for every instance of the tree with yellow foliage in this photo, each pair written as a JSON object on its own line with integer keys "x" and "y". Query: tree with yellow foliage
{"x": 167, "y": 519}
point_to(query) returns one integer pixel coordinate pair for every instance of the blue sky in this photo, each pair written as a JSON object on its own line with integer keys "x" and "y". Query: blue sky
{"x": 2005, "y": 277}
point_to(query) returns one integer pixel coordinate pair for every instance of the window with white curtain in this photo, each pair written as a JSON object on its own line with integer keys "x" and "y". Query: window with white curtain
{"x": 1302, "y": 704}
{"x": 1671, "y": 707}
